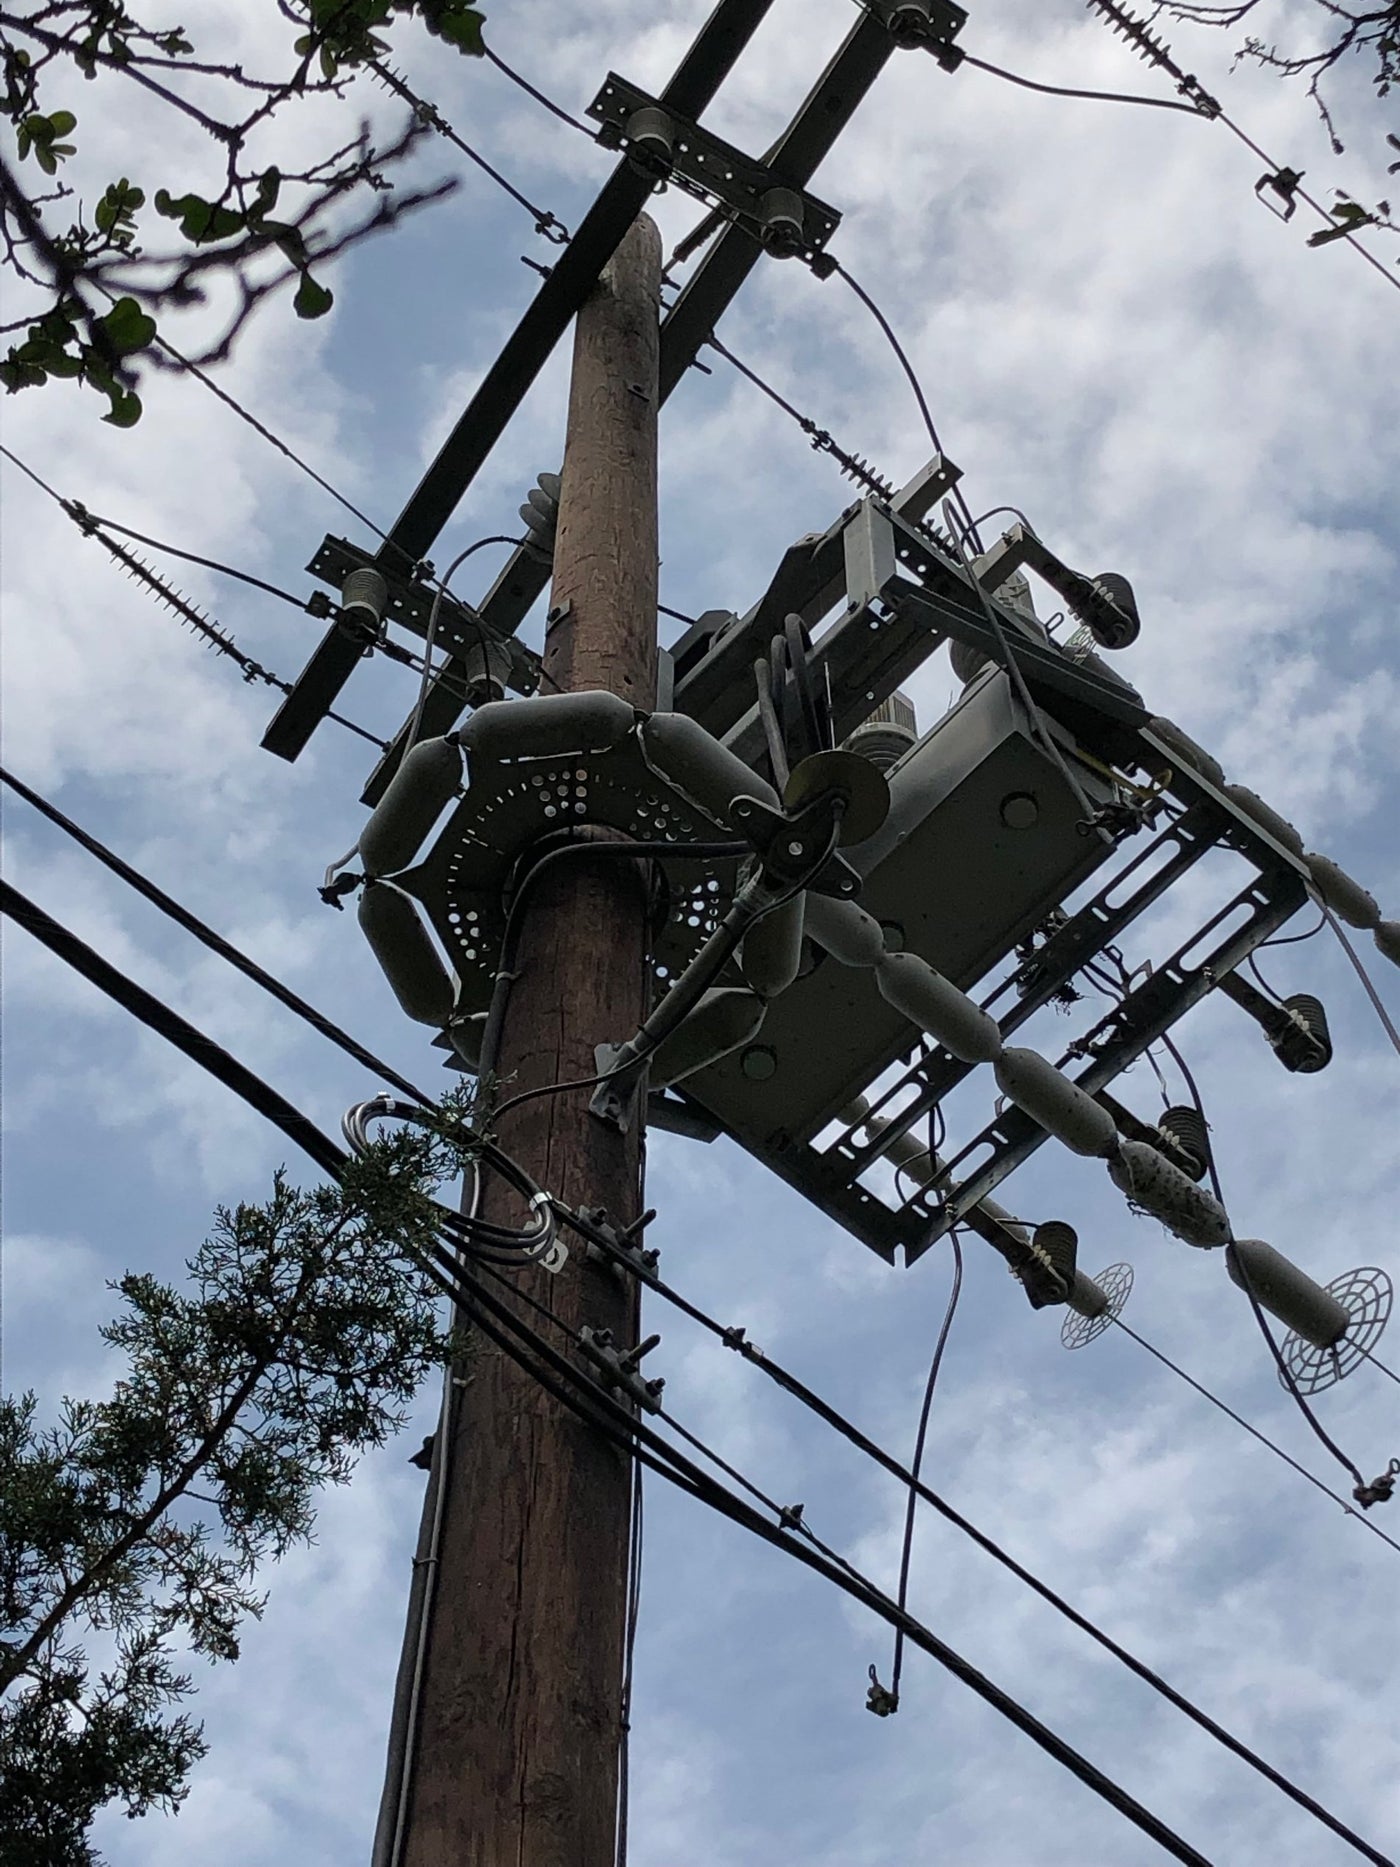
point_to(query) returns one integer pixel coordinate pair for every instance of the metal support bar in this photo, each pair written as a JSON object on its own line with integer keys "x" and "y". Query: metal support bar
{"x": 706, "y": 296}
{"x": 503, "y": 388}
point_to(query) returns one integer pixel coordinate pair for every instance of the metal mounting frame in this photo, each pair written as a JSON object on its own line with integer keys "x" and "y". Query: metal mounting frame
{"x": 673, "y": 148}
{"x": 830, "y": 1176}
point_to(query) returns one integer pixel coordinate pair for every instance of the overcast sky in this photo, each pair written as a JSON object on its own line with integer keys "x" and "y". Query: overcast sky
{"x": 1115, "y": 336}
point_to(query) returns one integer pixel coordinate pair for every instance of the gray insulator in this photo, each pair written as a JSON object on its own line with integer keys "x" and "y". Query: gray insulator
{"x": 1287, "y": 1292}
{"x": 1159, "y": 1188}
{"x": 968, "y": 662}
{"x": 1086, "y": 1297}
{"x": 424, "y": 783}
{"x": 1061, "y": 1107}
{"x": 1346, "y": 898}
{"x": 1106, "y": 671}
{"x": 845, "y": 931}
{"x": 935, "y": 1005}
{"x": 696, "y": 763}
{"x": 771, "y": 954}
{"x": 1265, "y": 816}
{"x": 725, "y": 1018}
{"x": 1186, "y": 749}
{"x": 1186, "y": 1127}
{"x": 1387, "y": 938}
{"x": 883, "y": 742}
{"x": 400, "y": 942}
{"x": 364, "y": 596}
{"x": 548, "y": 725}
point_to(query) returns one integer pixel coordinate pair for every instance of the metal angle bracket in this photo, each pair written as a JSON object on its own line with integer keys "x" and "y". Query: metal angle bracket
{"x": 789, "y": 222}
{"x": 459, "y": 628}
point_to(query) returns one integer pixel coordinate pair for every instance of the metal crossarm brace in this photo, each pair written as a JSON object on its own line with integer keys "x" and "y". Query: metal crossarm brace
{"x": 706, "y": 296}
{"x": 660, "y": 143}
{"x": 574, "y": 274}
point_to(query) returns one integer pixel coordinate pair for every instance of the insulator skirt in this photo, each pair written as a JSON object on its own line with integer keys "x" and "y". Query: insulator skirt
{"x": 844, "y": 930}
{"x": 1158, "y": 1187}
{"x": 1188, "y": 751}
{"x": 417, "y": 793}
{"x": 695, "y": 761}
{"x": 771, "y": 955}
{"x": 400, "y": 942}
{"x": 1061, "y": 1107}
{"x": 935, "y": 1005}
{"x": 1265, "y": 816}
{"x": 547, "y": 725}
{"x": 1345, "y": 896}
{"x": 1287, "y": 1292}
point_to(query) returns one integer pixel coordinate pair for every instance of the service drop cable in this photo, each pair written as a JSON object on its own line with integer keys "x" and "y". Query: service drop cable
{"x": 200, "y": 1049}
{"x": 916, "y": 1465}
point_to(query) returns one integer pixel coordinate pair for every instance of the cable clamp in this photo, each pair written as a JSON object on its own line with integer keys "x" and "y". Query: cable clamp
{"x": 1380, "y": 1490}
{"x": 879, "y": 1698}
{"x": 790, "y": 1517}
{"x": 621, "y": 1368}
{"x": 1285, "y": 185}
{"x": 619, "y": 1246}
{"x": 334, "y": 893}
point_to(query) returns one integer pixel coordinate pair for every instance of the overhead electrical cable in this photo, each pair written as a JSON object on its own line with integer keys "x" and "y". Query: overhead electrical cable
{"x": 852, "y": 465}
{"x": 1368, "y": 986}
{"x": 547, "y": 224}
{"x": 539, "y": 96}
{"x": 216, "y": 943}
{"x": 667, "y": 1461}
{"x": 1060, "y": 90}
{"x": 592, "y": 1402}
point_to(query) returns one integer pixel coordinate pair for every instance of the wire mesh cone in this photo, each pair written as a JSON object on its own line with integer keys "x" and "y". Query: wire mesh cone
{"x": 1116, "y": 1282}
{"x": 1367, "y": 1294}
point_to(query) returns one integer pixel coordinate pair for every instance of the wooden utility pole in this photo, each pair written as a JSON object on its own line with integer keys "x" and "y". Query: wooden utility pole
{"x": 514, "y": 1761}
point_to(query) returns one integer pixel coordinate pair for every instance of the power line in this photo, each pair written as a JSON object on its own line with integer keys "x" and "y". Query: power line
{"x": 539, "y": 96}
{"x": 1140, "y": 35}
{"x": 547, "y": 224}
{"x": 1347, "y": 947}
{"x": 216, "y": 943}
{"x": 853, "y": 466}
{"x": 653, "y": 1450}
{"x": 1060, "y": 90}
{"x": 1254, "y": 1433}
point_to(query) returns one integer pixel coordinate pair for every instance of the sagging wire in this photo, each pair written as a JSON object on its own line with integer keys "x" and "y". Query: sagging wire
{"x": 539, "y": 96}
{"x": 1060, "y": 90}
{"x": 658, "y": 1455}
{"x": 546, "y": 224}
{"x": 1347, "y": 947}
{"x": 439, "y": 591}
{"x": 882, "y": 1701}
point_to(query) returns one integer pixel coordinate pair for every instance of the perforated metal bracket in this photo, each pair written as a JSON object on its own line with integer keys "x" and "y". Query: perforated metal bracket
{"x": 789, "y": 222}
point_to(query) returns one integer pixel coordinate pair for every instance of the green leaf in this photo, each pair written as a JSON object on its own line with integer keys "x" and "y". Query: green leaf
{"x": 461, "y": 26}
{"x": 61, "y": 122}
{"x": 127, "y": 327}
{"x": 312, "y": 300}
{"x": 125, "y": 411}
{"x": 200, "y": 221}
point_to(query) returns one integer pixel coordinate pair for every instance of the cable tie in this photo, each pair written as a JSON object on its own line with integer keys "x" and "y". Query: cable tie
{"x": 879, "y": 1698}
